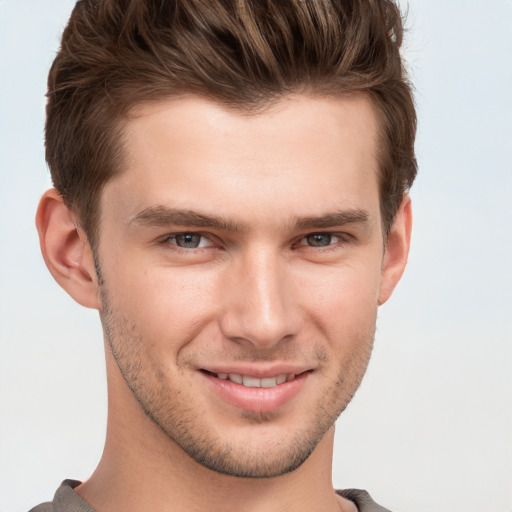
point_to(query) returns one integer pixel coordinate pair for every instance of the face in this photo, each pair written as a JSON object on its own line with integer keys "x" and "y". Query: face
{"x": 241, "y": 263}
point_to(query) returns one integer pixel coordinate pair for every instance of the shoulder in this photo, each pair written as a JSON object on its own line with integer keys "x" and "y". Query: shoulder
{"x": 44, "y": 507}
{"x": 362, "y": 499}
{"x": 65, "y": 500}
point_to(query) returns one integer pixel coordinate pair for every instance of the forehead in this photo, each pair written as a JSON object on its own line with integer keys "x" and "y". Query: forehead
{"x": 301, "y": 153}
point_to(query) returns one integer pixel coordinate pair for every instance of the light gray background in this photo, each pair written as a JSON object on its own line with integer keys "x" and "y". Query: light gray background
{"x": 431, "y": 427}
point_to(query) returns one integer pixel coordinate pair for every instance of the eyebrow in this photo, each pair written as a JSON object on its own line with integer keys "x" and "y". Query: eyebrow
{"x": 330, "y": 220}
{"x": 162, "y": 216}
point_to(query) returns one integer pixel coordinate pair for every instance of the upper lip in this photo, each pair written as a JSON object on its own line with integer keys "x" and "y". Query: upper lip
{"x": 258, "y": 371}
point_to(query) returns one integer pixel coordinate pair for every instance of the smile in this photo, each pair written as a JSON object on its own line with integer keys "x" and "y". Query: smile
{"x": 254, "y": 382}
{"x": 265, "y": 393}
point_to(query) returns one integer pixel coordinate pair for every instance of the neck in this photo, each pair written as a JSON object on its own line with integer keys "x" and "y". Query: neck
{"x": 142, "y": 469}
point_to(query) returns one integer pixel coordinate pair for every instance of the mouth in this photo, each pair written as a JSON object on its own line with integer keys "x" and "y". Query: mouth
{"x": 254, "y": 382}
{"x": 259, "y": 394}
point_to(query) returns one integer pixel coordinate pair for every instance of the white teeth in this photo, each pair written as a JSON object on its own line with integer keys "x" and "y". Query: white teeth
{"x": 253, "y": 382}
{"x": 269, "y": 382}
{"x": 280, "y": 379}
{"x": 233, "y": 377}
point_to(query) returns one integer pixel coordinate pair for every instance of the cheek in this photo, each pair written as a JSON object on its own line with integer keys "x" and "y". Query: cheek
{"x": 343, "y": 298}
{"x": 351, "y": 288}
{"x": 165, "y": 303}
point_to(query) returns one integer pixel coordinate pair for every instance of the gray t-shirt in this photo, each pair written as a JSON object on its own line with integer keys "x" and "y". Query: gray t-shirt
{"x": 66, "y": 500}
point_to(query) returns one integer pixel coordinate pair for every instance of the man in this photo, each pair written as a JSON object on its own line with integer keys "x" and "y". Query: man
{"x": 230, "y": 194}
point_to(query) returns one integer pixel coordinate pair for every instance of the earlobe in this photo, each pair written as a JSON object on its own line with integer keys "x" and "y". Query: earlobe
{"x": 397, "y": 250}
{"x": 66, "y": 251}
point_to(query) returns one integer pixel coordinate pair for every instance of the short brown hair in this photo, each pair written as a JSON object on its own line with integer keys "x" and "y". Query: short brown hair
{"x": 245, "y": 54}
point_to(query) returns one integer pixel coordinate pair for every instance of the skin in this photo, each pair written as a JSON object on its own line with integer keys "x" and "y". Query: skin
{"x": 289, "y": 269}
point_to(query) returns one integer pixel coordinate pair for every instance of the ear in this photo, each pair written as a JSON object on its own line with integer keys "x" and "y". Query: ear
{"x": 66, "y": 250}
{"x": 396, "y": 250}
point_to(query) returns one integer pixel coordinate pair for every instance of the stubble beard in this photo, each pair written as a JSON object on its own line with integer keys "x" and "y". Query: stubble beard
{"x": 187, "y": 428}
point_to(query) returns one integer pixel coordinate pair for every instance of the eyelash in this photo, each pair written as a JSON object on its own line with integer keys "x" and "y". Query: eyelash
{"x": 342, "y": 238}
{"x": 172, "y": 238}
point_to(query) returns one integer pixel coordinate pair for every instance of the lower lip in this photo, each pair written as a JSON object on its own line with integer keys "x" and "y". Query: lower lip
{"x": 257, "y": 399}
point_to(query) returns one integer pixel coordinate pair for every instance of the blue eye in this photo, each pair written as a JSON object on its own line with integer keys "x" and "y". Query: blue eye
{"x": 320, "y": 239}
{"x": 189, "y": 240}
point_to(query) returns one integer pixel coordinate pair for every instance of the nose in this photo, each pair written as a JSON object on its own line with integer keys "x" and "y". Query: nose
{"x": 261, "y": 301}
